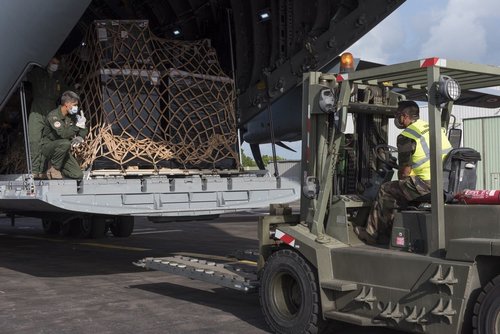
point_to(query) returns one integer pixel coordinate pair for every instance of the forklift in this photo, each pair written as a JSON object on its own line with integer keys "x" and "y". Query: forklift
{"x": 439, "y": 272}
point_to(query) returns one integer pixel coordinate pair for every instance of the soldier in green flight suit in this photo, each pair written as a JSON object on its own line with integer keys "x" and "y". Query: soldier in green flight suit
{"x": 64, "y": 128}
{"x": 47, "y": 85}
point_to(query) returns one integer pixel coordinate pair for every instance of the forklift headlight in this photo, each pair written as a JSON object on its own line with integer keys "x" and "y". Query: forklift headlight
{"x": 449, "y": 89}
{"x": 327, "y": 101}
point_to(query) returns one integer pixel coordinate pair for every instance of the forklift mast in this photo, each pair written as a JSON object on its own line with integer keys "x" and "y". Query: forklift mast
{"x": 336, "y": 162}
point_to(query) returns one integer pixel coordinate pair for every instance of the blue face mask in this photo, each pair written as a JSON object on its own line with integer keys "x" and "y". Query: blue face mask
{"x": 73, "y": 110}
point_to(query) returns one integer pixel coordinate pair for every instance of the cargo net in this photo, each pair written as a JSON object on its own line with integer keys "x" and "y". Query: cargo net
{"x": 12, "y": 152}
{"x": 151, "y": 102}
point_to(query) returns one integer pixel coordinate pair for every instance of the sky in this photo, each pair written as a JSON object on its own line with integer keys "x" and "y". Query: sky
{"x": 454, "y": 29}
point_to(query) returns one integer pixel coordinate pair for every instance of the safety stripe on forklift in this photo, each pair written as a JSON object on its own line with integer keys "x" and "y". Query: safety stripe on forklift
{"x": 433, "y": 62}
{"x": 342, "y": 77}
{"x": 287, "y": 239}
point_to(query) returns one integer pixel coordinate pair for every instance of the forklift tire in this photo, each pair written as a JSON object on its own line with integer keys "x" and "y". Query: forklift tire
{"x": 122, "y": 227}
{"x": 51, "y": 226}
{"x": 486, "y": 317}
{"x": 289, "y": 294}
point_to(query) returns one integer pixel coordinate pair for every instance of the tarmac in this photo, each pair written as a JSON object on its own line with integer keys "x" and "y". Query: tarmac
{"x": 55, "y": 284}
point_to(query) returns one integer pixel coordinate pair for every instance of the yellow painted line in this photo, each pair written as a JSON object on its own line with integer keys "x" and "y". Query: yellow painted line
{"x": 93, "y": 244}
{"x": 155, "y": 232}
{"x": 37, "y": 238}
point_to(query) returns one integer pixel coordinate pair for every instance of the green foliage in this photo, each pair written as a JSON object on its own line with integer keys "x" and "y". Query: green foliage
{"x": 247, "y": 161}
{"x": 269, "y": 159}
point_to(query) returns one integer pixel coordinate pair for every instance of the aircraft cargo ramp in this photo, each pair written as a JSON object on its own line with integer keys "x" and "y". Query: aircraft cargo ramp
{"x": 151, "y": 196}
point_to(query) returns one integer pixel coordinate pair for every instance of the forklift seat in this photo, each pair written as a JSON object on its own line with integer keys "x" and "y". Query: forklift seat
{"x": 424, "y": 202}
{"x": 459, "y": 173}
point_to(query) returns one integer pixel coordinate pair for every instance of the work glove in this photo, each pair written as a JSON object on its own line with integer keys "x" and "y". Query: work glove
{"x": 77, "y": 141}
{"x": 80, "y": 120}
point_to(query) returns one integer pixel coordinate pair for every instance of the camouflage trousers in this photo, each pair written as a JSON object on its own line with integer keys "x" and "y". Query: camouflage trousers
{"x": 391, "y": 196}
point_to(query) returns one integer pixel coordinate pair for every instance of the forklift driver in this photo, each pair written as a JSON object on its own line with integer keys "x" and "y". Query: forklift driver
{"x": 414, "y": 174}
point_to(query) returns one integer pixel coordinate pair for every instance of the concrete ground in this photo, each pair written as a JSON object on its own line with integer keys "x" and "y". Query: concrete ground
{"x": 53, "y": 284}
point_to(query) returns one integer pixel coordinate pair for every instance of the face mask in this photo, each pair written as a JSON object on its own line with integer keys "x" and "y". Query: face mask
{"x": 53, "y": 67}
{"x": 397, "y": 122}
{"x": 73, "y": 110}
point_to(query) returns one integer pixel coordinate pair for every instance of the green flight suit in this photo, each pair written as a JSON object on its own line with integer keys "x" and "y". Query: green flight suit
{"x": 47, "y": 88}
{"x": 57, "y": 134}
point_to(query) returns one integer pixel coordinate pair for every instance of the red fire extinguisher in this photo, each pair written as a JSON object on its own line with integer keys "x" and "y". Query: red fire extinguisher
{"x": 478, "y": 196}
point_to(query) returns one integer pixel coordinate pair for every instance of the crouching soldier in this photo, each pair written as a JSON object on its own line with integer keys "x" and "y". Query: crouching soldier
{"x": 64, "y": 128}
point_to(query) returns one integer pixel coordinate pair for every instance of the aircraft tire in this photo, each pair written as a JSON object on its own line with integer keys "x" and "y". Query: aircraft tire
{"x": 51, "y": 226}
{"x": 81, "y": 227}
{"x": 99, "y": 227}
{"x": 122, "y": 227}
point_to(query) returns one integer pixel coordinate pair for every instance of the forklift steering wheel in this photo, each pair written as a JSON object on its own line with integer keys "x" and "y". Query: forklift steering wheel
{"x": 384, "y": 153}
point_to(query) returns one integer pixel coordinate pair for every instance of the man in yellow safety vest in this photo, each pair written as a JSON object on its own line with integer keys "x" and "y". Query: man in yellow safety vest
{"x": 414, "y": 173}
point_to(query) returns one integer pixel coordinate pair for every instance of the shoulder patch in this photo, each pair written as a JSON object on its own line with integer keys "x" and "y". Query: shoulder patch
{"x": 57, "y": 124}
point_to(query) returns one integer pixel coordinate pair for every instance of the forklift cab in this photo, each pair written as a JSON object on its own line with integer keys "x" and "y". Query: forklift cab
{"x": 343, "y": 172}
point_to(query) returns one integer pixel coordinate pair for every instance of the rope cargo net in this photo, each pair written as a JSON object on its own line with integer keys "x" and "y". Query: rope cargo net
{"x": 151, "y": 102}
{"x": 12, "y": 153}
